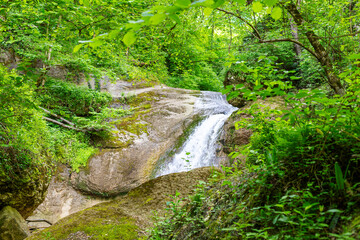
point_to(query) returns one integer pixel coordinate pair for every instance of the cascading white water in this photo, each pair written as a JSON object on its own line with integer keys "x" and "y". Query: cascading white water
{"x": 199, "y": 150}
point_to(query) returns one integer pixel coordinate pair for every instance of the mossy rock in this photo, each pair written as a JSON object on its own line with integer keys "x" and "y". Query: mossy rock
{"x": 127, "y": 158}
{"x": 24, "y": 190}
{"x": 126, "y": 217}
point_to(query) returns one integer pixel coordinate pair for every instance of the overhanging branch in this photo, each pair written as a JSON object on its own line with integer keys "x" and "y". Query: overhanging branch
{"x": 293, "y": 41}
{"x": 257, "y": 34}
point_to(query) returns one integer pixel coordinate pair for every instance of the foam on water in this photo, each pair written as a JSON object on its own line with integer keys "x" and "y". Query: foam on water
{"x": 199, "y": 150}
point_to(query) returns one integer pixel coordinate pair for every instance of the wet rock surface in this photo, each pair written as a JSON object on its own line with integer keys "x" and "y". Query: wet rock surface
{"x": 129, "y": 158}
{"x": 124, "y": 161}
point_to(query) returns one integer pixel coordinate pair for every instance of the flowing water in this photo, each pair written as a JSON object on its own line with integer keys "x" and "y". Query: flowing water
{"x": 199, "y": 150}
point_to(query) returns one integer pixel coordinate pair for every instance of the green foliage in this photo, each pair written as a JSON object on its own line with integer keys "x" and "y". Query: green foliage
{"x": 69, "y": 97}
{"x": 299, "y": 180}
{"x": 70, "y": 147}
{"x": 23, "y": 133}
{"x": 100, "y": 120}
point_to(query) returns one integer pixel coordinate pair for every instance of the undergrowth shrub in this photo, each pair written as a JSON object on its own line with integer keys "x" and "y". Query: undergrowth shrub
{"x": 23, "y": 133}
{"x": 69, "y": 97}
{"x": 300, "y": 179}
{"x": 70, "y": 147}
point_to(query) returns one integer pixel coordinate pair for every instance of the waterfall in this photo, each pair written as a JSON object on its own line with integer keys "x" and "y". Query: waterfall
{"x": 199, "y": 150}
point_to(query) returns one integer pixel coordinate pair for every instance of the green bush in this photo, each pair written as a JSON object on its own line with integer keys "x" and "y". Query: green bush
{"x": 24, "y": 137}
{"x": 71, "y": 147}
{"x": 69, "y": 97}
{"x": 300, "y": 179}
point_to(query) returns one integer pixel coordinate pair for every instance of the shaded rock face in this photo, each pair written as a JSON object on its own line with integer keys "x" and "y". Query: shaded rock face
{"x": 127, "y": 216}
{"x": 233, "y": 138}
{"x": 8, "y": 58}
{"x": 57, "y": 71}
{"x": 25, "y": 193}
{"x": 12, "y": 225}
{"x": 128, "y": 160}
{"x": 233, "y": 79}
{"x": 61, "y": 201}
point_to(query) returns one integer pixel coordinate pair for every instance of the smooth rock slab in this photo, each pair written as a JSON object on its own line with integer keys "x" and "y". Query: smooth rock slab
{"x": 61, "y": 201}
{"x": 115, "y": 170}
{"x": 12, "y": 225}
{"x": 127, "y": 217}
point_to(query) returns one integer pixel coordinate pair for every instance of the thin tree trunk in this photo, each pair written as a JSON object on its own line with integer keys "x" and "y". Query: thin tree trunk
{"x": 322, "y": 55}
{"x": 230, "y": 42}
{"x": 295, "y": 34}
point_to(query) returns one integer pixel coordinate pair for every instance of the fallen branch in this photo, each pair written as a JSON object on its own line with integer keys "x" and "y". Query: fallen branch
{"x": 63, "y": 125}
{"x": 39, "y": 220}
{"x": 57, "y": 116}
{"x": 74, "y": 128}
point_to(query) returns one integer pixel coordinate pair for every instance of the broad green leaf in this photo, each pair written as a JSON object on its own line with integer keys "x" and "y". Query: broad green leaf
{"x": 173, "y": 9}
{"x": 158, "y": 18}
{"x": 339, "y": 177}
{"x": 129, "y": 38}
{"x": 87, "y": 3}
{"x": 218, "y": 3}
{"x": 205, "y": 3}
{"x": 354, "y": 56}
{"x": 114, "y": 33}
{"x": 242, "y": 2}
{"x": 207, "y": 11}
{"x": 270, "y": 3}
{"x": 175, "y": 18}
{"x": 276, "y": 13}
{"x": 95, "y": 44}
{"x": 257, "y": 7}
{"x": 77, "y": 48}
{"x": 183, "y": 3}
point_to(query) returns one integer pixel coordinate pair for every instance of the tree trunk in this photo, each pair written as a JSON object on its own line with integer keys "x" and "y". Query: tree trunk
{"x": 321, "y": 53}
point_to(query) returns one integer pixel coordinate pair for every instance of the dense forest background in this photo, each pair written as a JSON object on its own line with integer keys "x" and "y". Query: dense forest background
{"x": 301, "y": 173}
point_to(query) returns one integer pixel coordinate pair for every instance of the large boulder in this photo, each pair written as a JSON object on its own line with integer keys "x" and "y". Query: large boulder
{"x": 24, "y": 191}
{"x": 61, "y": 200}
{"x": 128, "y": 216}
{"x": 12, "y": 225}
{"x": 128, "y": 158}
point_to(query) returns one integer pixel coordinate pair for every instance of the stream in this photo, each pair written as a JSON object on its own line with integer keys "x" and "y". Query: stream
{"x": 199, "y": 150}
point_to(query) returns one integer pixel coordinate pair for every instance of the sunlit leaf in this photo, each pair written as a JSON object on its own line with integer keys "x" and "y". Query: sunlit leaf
{"x": 158, "y": 18}
{"x": 205, "y": 3}
{"x": 175, "y": 18}
{"x": 95, "y": 44}
{"x": 276, "y": 13}
{"x": 182, "y": 3}
{"x": 129, "y": 38}
{"x": 77, "y": 48}
{"x": 242, "y": 2}
{"x": 218, "y": 3}
{"x": 208, "y": 11}
{"x": 257, "y": 7}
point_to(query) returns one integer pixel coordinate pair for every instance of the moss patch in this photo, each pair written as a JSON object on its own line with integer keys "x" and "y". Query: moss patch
{"x": 134, "y": 124}
{"x": 127, "y": 216}
{"x": 95, "y": 224}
